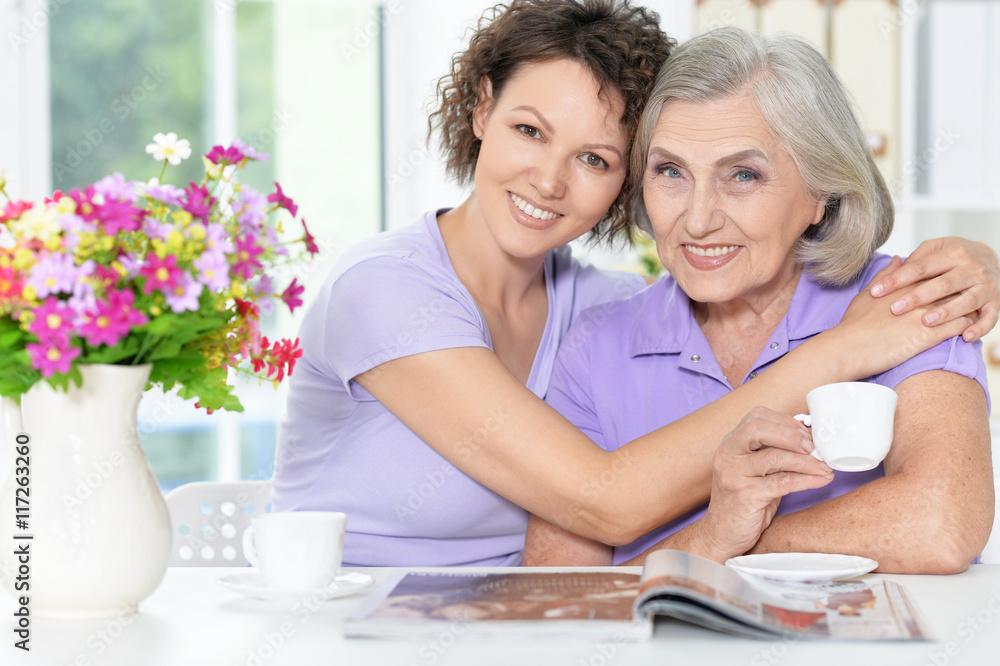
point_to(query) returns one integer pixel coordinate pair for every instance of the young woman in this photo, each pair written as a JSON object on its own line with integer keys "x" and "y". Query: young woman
{"x": 417, "y": 405}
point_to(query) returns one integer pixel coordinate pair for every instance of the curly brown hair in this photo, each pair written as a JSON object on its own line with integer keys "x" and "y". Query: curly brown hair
{"x": 623, "y": 46}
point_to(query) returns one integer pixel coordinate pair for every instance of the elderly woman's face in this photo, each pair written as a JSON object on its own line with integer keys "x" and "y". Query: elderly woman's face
{"x": 725, "y": 201}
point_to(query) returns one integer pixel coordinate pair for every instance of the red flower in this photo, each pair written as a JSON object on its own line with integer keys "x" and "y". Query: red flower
{"x": 283, "y": 201}
{"x": 283, "y": 353}
{"x": 56, "y": 196}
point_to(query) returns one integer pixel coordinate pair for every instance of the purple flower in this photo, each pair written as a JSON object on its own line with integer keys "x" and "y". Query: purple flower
{"x": 249, "y": 151}
{"x": 213, "y": 270}
{"x": 53, "y": 274}
{"x": 184, "y": 294}
{"x": 251, "y": 209}
{"x": 217, "y": 240}
{"x": 116, "y": 187}
{"x": 156, "y": 229}
{"x": 167, "y": 193}
{"x": 198, "y": 202}
{"x": 275, "y": 242}
{"x": 73, "y": 225}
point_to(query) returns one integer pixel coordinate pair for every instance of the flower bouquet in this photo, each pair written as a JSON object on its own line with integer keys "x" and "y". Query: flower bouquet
{"x": 130, "y": 273}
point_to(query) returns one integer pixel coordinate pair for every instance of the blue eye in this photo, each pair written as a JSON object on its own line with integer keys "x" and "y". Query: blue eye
{"x": 671, "y": 172}
{"x": 745, "y": 176}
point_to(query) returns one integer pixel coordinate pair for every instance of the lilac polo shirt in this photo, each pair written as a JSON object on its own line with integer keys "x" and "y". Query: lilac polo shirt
{"x": 633, "y": 366}
{"x": 339, "y": 449}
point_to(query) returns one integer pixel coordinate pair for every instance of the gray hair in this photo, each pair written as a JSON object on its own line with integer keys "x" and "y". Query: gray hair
{"x": 807, "y": 108}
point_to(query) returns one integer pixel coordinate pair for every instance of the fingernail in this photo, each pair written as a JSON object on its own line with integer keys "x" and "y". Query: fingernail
{"x": 898, "y": 306}
{"x": 828, "y": 476}
{"x": 930, "y": 318}
{"x": 807, "y": 445}
{"x": 878, "y": 289}
{"x": 968, "y": 336}
{"x": 826, "y": 468}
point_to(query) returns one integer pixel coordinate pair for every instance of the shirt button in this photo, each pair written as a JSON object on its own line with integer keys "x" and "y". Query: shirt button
{"x": 752, "y": 375}
{"x": 774, "y": 345}
{"x": 695, "y": 358}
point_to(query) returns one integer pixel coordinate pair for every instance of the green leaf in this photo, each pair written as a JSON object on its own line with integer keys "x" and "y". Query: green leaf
{"x": 166, "y": 349}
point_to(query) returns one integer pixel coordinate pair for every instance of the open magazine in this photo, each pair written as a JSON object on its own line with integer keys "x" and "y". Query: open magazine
{"x": 526, "y": 604}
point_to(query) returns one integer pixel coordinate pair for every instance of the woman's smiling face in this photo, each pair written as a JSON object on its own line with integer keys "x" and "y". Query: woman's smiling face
{"x": 725, "y": 200}
{"x": 553, "y": 156}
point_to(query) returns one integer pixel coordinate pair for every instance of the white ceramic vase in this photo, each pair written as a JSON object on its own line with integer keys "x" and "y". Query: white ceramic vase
{"x": 99, "y": 525}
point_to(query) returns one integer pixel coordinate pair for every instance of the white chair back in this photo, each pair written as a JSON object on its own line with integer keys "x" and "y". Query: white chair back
{"x": 208, "y": 519}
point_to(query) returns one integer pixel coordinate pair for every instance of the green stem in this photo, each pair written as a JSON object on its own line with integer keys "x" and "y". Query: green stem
{"x": 142, "y": 349}
{"x": 162, "y": 171}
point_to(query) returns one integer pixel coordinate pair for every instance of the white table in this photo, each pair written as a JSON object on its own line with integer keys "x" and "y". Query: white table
{"x": 191, "y": 620}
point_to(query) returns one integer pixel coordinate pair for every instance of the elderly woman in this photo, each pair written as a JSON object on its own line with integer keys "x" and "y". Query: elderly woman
{"x": 767, "y": 208}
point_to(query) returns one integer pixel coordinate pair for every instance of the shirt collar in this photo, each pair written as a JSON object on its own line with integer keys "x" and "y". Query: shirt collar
{"x": 664, "y": 322}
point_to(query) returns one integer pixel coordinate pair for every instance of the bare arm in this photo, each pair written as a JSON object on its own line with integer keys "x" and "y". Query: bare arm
{"x": 933, "y": 510}
{"x": 762, "y": 460}
{"x": 465, "y": 404}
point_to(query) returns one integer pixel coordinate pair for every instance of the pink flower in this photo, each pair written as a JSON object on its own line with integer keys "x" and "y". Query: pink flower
{"x": 10, "y": 286}
{"x": 14, "y": 210}
{"x": 291, "y": 295}
{"x": 161, "y": 274}
{"x": 309, "y": 239}
{"x": 283, "y": 201}
{"x": 198, "y": 202}
{"x": 50, "y": 358}
{"x": 53, "y": 322}
{"x": 118, "y": 215}
{"x": 220, "y": 155}
{"x": 246, "y": 255}
{"x": 110, "y": 320}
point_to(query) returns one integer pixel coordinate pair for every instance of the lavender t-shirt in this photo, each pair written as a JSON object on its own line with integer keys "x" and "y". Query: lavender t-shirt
{"x": 339, "y": 449}
{"x": 637, "y": 365}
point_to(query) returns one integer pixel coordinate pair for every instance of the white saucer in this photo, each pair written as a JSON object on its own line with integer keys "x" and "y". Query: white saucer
{"x": 802, "y": 566}
{"x": 252, "y": 584}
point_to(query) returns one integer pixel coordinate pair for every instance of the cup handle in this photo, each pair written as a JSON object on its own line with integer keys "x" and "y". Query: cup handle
{"x": 807, "y": 421}
{"x": 249, "y": 549}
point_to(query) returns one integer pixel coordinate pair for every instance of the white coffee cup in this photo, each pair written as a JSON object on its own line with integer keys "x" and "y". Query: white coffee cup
{"x": 851, "y": 424}
{"x": 296, "y": 550}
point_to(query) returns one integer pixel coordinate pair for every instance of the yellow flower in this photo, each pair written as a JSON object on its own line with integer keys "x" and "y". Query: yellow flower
{"x": 181, "y": 218}
{"x": 23, "y": 258}
{"x": 238, "y": 289}
{"x": 107, "y": 242}
{"x": 158, "y": 247}
{"x": 29, "y": 293}
{"x": 175, "y": 241}
{"x": 66, "y": 205}
{"x": 197, "y": 231}
{"x": 53, "y": 242}
{"x": 212, "y": 170}
{"x": 155, "y": 310}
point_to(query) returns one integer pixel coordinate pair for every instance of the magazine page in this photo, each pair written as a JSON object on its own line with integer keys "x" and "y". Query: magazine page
{"x": 705, "y": 592}
{"x": 525, "y": 604}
